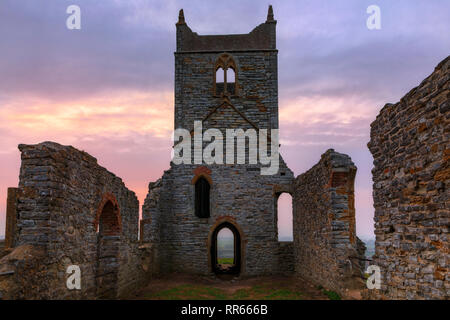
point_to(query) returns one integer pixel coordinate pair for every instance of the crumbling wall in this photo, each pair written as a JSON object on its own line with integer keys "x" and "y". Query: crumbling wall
{"x": 11, "y": 218}
{"x": 286, "y": 257}
{"x": 260, "y": 38}
{"x": 59, "y": 201}
{"x": 2, "y": 248}
{"x": 325, "y": 243}
{"x": 151, "y": 213}
{"x": 151, "y": 223}
{"x": 411, "y": 149}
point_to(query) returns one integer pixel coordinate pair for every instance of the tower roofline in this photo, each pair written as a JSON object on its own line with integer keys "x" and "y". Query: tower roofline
{"x": 262, "y": 37}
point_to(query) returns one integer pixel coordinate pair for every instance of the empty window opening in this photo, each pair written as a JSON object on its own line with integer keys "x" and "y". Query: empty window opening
{"x": 230, "y": 80}
{"x": 285, "y": 217}
{"x": 220, "y": 75}
{"x": 225, "y": 78}
{"x": 202, "y": 189}
{"x": 220, "y": 80}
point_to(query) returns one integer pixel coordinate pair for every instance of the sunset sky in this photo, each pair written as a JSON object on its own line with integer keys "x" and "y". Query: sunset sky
{"x": 108, "y": 88}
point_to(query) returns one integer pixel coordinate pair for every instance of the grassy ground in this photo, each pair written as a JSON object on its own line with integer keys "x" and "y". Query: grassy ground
{"x": 183, "y": 287}
{"x": 199, "y": 292}
{"x": 330, "y": 294}
{"x": 225, "y": 261}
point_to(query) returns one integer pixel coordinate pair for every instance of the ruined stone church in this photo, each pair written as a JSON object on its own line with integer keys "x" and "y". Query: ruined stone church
{"x": 67, "y": 210}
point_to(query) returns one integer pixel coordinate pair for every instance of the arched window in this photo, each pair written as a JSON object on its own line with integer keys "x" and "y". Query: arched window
{"x": 284, "y": 217}
{"x": 108, "y": 222}
{"x": 202, "y": 188}
{"x": 220, "y": 80}
{"x": 231, "y": 81}
{"x": 225, "y": 79}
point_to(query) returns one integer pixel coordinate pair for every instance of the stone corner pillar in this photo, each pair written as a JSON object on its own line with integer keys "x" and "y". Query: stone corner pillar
{"x": 11, "y": 218}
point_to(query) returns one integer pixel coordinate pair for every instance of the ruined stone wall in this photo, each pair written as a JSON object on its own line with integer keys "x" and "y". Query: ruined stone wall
{"x": 411, "y": 149}
{"x": 60, "y": 195}
{"x": 286, "y": 261}
{"x": 11, "y": 218}
{"x": 325, "y": 242}
{"x": 2, "y": 248}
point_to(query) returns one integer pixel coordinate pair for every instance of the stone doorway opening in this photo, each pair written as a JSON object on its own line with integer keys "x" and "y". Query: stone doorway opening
{"x": 108, "y": 244}
{"x": 226, "y": 249}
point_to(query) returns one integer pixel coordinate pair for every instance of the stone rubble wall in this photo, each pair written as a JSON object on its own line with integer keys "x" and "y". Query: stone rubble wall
{"x": 238, "y": 194}
{"x": 286, "y": 257}
{"x": 24, "y": 274}
{"x": 11, "y": 218}
{"x": 257, "y": 90}
{"x": 151, "y": 222}
{"x": 410, "y": 144}
{"x": 3, "y": 252}
{"x": 59, "y": 194}
{"x": 325, "y": 242}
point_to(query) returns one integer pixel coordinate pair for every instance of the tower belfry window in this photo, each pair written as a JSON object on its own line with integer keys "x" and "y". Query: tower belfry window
{"x": 225, "y": 76}
{"x": 231, "y": 84}
{"x": 220, "y": 80}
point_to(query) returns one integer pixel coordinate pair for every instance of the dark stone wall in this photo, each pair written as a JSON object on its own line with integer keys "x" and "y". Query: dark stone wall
{"x": 411, "y": 149}
{"x": 286, "y": 261}
{"x": 256, "y": 100}
{"x": 11, "y": 218}
{"x": 60, "y": 197}
{"x": 239, "y": 195}
{"x": 325, "y": 243}
{"x": 3, "y": 252}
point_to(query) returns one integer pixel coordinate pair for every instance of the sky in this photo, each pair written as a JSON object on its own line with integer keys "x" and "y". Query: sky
{"x": 108, "y": 88}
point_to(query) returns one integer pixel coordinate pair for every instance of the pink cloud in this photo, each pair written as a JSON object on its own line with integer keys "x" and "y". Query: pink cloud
{"x": 128, "y": 132}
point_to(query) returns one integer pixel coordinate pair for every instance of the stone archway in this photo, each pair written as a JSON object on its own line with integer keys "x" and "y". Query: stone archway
{"x": 236, "y": 268}
{"x": 108, "y": 227}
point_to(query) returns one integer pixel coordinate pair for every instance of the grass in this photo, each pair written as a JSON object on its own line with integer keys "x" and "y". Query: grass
{"x": 199, "y": 292}
{"x": 332, "y": 295}
{"x": 284, "y": 294}
{"x": 225, "y": 261}
{"x": 240, "y": 294}
{"x": 188, "y": 291}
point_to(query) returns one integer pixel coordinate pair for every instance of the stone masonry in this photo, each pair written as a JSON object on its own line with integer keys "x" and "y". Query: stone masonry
{"x": 11, "y": 218}
{"x": 326, "y": 248}
{"x": 68, "y": 210}
{"x": 411, "y": 150}
{"x": 61, "y": 202}
{"x": 240, "y": 195}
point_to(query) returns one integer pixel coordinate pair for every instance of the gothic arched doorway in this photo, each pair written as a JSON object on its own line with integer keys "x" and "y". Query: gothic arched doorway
{"x": 233, "y": 266}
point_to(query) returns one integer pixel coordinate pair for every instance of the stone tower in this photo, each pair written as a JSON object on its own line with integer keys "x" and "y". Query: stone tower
{"x": 223, "y": 82}
{"x": 251, "y": 57}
